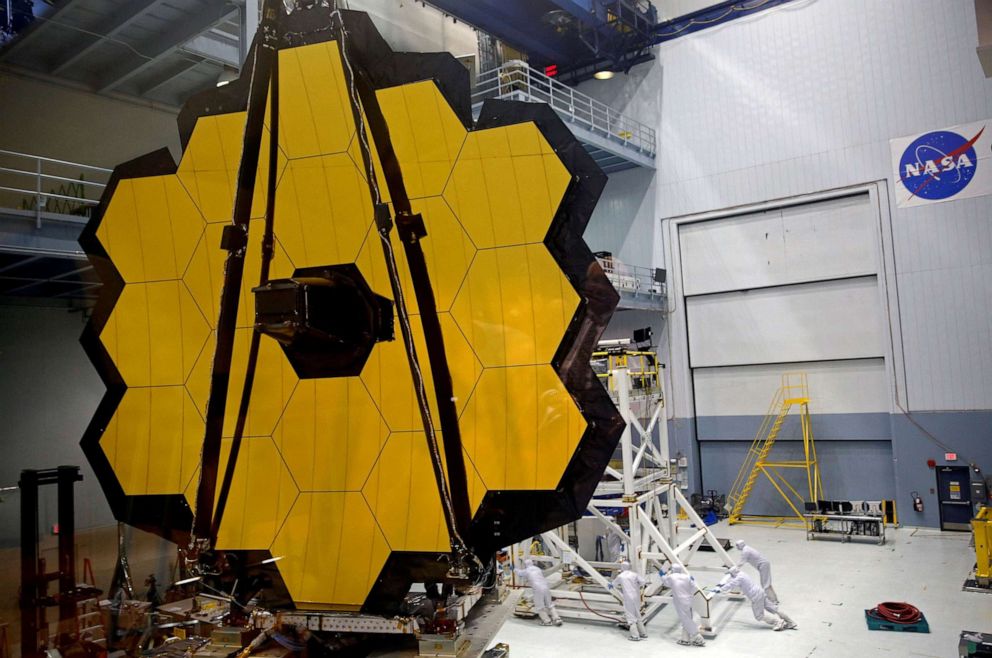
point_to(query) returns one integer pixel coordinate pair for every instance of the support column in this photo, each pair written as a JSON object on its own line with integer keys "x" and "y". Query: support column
{"x": 67, "y": 477}
{"x": 29, "y": 563}
{"x": 621, "y": 379}
{"x": 249, "y": 25}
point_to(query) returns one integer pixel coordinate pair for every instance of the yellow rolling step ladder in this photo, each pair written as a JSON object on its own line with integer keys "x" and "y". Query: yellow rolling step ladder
{"x": 793, "y": 394}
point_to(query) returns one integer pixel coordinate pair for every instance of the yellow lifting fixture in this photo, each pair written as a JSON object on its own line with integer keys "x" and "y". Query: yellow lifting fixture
{"x": 982, "y": 525}
{"x": 641, "y": 366}
{"x": 793, "y": 394}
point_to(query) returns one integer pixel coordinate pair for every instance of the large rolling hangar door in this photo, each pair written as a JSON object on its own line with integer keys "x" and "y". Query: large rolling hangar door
{"x": 791, "y": 288}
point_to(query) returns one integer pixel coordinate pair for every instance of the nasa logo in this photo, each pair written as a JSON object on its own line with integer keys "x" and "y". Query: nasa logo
{"x": 939, "y": 164}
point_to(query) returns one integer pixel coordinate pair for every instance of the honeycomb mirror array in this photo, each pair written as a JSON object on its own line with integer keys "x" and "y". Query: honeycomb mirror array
{"x": 326, "y": 460}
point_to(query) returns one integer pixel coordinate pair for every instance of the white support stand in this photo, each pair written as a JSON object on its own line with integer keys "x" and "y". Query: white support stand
{"x": 646, "y": 489}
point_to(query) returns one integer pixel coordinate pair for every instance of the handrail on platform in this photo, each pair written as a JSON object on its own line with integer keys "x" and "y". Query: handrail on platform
{"x": 27, "y": 182}
{"x": 516, "y": 80}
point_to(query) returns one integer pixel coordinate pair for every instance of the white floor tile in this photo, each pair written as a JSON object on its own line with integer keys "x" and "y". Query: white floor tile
{"x": 825, "y": 586}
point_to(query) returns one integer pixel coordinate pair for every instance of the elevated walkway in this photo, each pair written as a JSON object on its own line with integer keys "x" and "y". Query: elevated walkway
{"x": 640, "y": 288}
{"x": 44, "y": 205}
{"x": 615, "y": 142}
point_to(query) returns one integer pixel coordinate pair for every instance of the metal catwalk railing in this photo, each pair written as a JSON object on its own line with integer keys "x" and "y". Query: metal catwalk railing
{"x": 632, "y": 278}
{"x": 516, "y": 80}
{"x": 44, "y": 186}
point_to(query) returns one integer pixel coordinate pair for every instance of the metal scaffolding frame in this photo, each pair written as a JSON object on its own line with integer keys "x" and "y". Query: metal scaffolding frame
{"x": 645, "y": 487}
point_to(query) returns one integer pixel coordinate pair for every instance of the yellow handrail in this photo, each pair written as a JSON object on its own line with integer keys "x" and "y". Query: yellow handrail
{"x": 753, "y": 451}
{"x": 794, "y": 390}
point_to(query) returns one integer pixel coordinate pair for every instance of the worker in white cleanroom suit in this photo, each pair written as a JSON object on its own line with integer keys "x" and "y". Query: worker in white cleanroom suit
{"x": 683, "y": 588}
{"x": 543, "y": 604}
{"x": 763, "y": 609}
{"x": 630, "y": 583}
{"x": 750, "y": 555}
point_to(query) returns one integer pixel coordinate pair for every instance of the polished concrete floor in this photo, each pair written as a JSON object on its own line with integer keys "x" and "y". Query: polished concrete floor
{"x": 825, "y": 586}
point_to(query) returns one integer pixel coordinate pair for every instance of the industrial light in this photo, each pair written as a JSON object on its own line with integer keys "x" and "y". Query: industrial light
{"x": 186, "y": 581}
{"x": 226, "y": 76}
{"x": 272, "y": 559}
{"x": 605, "y": 74}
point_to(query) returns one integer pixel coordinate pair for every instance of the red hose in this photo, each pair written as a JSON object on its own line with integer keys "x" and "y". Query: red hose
{"x": 896, "y": 613}
{"x": 610, "y": 617}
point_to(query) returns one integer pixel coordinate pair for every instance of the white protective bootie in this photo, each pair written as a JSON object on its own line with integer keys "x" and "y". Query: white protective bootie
{"x": 789, "y": 623}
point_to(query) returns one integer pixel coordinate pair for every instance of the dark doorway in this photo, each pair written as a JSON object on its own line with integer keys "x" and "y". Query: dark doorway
{"x": 954, "y": 498}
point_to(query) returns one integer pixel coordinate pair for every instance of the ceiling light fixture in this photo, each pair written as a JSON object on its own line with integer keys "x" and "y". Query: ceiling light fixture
{"x": 227, "y": 75}
{"x": 605, "y": 74}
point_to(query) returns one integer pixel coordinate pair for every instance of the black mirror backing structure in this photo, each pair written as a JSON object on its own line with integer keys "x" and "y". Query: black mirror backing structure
{"x": 356, "y": 200}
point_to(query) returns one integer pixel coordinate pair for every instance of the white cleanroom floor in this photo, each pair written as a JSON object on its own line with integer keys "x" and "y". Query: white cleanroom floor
{"x": 824, "y": 585}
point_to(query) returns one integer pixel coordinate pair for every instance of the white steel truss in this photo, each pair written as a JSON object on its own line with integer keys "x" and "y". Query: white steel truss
{"x": 663, "y": 529}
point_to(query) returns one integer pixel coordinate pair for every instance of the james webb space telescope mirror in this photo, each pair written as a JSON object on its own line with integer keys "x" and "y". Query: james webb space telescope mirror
{"x": 351, "y": 329}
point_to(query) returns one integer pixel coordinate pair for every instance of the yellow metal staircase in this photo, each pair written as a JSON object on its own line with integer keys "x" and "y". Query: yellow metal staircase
{"x": 793, "y": 393}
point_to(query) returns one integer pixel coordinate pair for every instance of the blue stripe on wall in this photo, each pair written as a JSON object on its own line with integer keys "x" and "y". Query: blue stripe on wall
{"x": 862, "y": 456}
{"x": 826, "y": 426}
{"x": 850, "y": 470}
{"x": 969, "y": 433}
